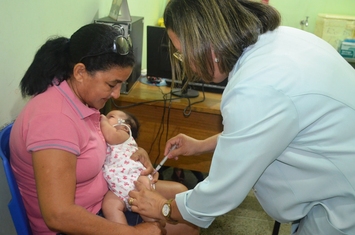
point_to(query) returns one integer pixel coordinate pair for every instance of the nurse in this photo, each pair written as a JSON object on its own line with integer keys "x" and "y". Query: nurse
{"x": 288, "y": 115}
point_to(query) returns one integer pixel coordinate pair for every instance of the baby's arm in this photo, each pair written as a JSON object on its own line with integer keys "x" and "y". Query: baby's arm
{"x": 111, "y": 134}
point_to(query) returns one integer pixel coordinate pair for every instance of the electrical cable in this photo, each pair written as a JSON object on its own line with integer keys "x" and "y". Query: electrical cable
{"x": 187, "y": 110}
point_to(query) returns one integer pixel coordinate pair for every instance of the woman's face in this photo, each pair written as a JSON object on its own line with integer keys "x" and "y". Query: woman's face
{"x": 217, "y": 75}
{"x": 95, "y": 89}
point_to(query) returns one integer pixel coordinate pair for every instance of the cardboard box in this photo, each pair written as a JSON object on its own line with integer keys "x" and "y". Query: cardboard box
{"x": 335, "y": 28}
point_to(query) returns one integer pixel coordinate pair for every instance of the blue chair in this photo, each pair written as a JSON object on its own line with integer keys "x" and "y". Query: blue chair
{"x": 15, "y": 205}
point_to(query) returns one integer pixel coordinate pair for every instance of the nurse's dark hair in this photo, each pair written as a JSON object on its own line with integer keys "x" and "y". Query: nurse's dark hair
{"x": 55, "y": 60}
{"x": 225, "y": 26}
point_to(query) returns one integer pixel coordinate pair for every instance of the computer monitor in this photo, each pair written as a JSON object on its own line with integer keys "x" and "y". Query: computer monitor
{"x": 158, "y": 59}
{"x": 158, "y": 65}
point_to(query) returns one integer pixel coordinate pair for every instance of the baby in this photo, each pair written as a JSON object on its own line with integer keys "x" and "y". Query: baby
{"x": 120, "y": 130}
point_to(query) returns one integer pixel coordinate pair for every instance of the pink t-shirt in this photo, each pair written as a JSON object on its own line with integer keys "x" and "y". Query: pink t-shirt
{"x": 58, "y": 119}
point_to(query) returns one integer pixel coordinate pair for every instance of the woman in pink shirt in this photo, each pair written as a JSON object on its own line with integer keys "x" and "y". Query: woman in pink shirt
{"x": 57, "y": 148}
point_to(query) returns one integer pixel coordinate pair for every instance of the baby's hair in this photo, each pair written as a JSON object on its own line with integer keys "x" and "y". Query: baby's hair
{"x": 132, "y": 121}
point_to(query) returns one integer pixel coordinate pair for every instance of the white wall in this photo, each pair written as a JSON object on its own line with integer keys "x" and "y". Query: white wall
{"x": 292, "y": 12}
{"x": 26, "y": 24}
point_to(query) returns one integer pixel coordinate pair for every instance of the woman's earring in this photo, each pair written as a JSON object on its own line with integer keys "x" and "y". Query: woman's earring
{"x": 216, "y": 60}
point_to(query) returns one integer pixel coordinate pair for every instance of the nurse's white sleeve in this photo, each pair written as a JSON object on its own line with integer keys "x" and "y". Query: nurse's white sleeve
{"x": 259, "y": 123}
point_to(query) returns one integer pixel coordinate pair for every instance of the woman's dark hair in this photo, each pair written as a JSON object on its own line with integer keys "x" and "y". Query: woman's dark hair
{"x": 225, "y": 26}
{"x": 55, "y": 60}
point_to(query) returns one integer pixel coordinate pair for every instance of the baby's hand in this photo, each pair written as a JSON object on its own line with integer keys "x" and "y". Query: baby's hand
{"x": 103, "y": 118}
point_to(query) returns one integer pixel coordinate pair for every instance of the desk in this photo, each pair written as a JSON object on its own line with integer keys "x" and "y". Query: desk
{"x": 157, "y": 119}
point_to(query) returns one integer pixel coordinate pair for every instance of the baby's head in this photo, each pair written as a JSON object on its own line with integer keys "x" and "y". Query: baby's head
{"x": 118, "y": 116}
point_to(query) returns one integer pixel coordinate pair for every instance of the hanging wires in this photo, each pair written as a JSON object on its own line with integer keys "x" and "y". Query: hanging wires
{"x": 187, "y": 110}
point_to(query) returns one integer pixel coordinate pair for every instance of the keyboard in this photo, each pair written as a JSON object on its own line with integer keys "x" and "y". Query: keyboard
{"x": 201, "y": 86}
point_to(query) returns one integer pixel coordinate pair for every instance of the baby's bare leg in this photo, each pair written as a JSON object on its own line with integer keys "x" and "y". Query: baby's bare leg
{"x": 113, "y": 208}
{"x": 169, "y": 188}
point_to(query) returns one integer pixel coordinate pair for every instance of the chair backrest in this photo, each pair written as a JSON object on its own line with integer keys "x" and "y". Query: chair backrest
{"x": 16, "y": 206}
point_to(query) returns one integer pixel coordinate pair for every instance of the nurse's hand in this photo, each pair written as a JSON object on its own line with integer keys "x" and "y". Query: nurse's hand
{"x": 147, "y": 202}
{"x": 184, "y": 145}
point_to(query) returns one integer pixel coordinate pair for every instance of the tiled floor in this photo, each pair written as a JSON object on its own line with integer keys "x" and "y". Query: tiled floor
{"x": 248, "y": 219}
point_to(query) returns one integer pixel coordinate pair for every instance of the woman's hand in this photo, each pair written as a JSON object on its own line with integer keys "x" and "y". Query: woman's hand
{"x": 147, "y": 228}
{"x": 142, "y": 156}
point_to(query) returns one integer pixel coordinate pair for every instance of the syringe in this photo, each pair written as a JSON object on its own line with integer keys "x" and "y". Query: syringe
{"x": 163, "y": 161}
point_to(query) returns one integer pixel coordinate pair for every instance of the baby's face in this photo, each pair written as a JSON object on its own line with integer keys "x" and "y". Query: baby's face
{"x": 114, "y": 116}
